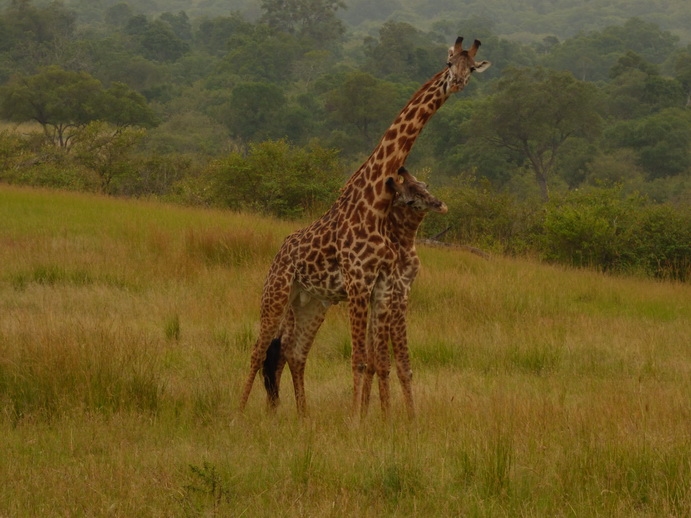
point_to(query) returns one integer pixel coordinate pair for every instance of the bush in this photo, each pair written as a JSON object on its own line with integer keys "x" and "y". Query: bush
{"x": 485, "y": 218}
{"x": 29, "y": 161}
{"x": 277, "y": 178}
{"x": 663, "y": 246}
{"x": 599, "y": 228}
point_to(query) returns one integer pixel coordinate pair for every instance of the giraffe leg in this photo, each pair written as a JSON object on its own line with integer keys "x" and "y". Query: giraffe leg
{"x": 403, "y": 369}
{"x": 308, "y": 318}
{"x": 275, "y": 361}
{"x": 369, "y": 371}
{"x": 257, "y": 359}
{"x": 275, "y": 301}
{"x": 380, "y": 322}
{"x": 378, "y": 361}
{"x": 383, "y": 368}
{"x": 399, "y": 341}
{"x": 358, "y": 307}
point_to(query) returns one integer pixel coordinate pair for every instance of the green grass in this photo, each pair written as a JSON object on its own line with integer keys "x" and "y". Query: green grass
{"x": 125, "y": 334}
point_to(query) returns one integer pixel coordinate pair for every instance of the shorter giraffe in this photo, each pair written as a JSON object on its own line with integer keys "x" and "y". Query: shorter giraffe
{"x": 410, "y": 206}
{"x": 404, "y": 222}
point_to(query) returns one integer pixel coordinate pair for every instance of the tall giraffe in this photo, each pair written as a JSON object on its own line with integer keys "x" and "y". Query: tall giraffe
{"x": 347, "y": 254}
{"x": 409, "y": 208}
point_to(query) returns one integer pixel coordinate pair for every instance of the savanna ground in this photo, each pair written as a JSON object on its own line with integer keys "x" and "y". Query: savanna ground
{"x": 125, "y": 334}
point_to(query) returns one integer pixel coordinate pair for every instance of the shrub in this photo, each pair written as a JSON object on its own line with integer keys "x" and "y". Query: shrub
{"x": 277, "y": 178}
{"x": 485, "y": 218}
{"x": 590, "y": 228}
{"x": 663, "y": 246}
{"x": 600, "y": 228}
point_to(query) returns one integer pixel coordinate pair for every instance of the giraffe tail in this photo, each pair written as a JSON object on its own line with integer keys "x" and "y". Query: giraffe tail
{"x": 269, "y": 368}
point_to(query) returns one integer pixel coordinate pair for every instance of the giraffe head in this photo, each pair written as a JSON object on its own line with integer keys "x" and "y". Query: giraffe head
{"x": 462, "y": 63}
{"x": 414, "y": 194}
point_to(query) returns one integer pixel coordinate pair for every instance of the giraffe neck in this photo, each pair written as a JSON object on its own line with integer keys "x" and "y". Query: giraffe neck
{"x": 398, "y": 140}
{"x": 405, "y": 223}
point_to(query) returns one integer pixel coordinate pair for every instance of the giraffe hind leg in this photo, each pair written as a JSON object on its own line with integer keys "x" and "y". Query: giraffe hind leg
{"x": 275, "y": 301}
{"x": 308, "y": 318}
{"x": 256, "y": 361}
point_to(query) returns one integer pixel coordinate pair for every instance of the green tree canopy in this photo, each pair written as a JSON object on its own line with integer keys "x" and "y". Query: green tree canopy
{"x": 255, "y": 111}
{"x": 402, "y": 51}
{"x": 62, "y": 101}
{"x": 314, "y": 19}
{"x": 660, "y": 141}
{"x": 364, "y": 102}
{"x": 533, "y": 113}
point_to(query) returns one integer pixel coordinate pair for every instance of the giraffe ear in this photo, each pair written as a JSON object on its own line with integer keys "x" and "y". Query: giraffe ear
{"x": 392, "y": 184}
{"x": 481, "y": 66}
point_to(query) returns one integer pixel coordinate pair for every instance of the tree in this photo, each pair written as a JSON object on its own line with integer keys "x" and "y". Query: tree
{"x": 533, "y": 113}
{"x": 47, "y": 24}
{"x": 255, "y": 111}
{"x": 158, "y": 40}
{"x": 213, "y": 35}
{"x": 179, "y": 23}
{"x": 363, "y": 101}
{"x": 35, "y": 36}
{"x": 403, "y": 51}
{"x": 591, "y": 56}
{"x": 124, "y": 107}
{"x": 637, "y": 88}
{"x": 106, "y": 150}
{"x": 159, "y": 43}
{"x": 682, "y": 72}
{"x": 314, "y": 19}
{"x": 660, "y": 141}
{"x": 63, "y": 102}
{"x": 261, "y": 55}
{"x": 118, "y": 14}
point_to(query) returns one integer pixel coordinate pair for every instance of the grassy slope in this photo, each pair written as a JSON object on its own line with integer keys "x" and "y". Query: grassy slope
{"x": 125, "y": 331}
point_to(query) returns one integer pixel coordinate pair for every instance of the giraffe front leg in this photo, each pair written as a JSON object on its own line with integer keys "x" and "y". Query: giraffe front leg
{"x": 358, "y": 307}
{"x": 399, "y": 341}
{"x": 382, "y": 305}
{"x": 370, "y": 371}
{"x": 378, "y": 361}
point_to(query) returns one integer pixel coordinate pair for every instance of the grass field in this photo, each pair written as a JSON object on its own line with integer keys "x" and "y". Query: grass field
{"x": 125, "y": 332}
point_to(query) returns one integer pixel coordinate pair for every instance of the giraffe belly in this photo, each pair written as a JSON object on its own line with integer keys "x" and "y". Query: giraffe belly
{"x": 327, "y": 287}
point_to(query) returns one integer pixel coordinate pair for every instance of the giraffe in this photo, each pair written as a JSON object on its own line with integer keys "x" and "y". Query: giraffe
{"x": 404, "y": 222}
{"x": 410, "y": 206}
{"x": 347, "y": 254}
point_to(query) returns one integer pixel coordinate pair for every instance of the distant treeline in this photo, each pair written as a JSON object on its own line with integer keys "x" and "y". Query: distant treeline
{"x": 270, "y": 111}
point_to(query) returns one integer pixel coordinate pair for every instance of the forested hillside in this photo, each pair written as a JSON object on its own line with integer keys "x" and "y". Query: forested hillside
{"x": 574, "y": 146}
{"x": 526, "y": 20}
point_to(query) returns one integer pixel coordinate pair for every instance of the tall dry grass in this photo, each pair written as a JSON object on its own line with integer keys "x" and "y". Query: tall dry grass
{"x": 125, "y": 331}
